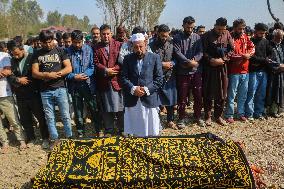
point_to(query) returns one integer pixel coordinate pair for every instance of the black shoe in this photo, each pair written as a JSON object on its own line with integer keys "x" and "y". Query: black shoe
{"x": 80, "y": 134}
{"x": 181, "y": 124}
{"x": 275, "y": 115}
{"x": 261, "y": 118}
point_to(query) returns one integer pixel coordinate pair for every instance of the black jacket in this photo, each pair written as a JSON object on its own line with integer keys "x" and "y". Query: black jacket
{"x": 263, "y": 50}
{"x": 23, "y": 91}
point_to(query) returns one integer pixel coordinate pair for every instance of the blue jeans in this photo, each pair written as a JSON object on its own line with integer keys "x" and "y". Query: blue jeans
{"x": 238, "y": 86}
{"x": 256, "y": 94}
{"x": 49, "y": 99}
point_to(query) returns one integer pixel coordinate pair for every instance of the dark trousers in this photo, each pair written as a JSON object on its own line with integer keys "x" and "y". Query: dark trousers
{"x": 27, "y": 108}
{"x": 218, "y": 107}
{"x": 112, "y": 120}
{"x": 80, "y": 97}
{"x": 185, "y": 83}
{"x": 170, "y": 113}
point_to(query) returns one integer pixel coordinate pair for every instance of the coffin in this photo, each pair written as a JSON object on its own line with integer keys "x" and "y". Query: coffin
{"x": 196, "y": 161}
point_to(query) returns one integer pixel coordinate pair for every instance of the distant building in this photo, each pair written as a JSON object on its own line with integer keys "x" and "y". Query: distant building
{"x": 58, "y": 29}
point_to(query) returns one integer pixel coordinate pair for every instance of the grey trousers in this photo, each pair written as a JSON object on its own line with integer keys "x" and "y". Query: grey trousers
{"x": 7, "y": 105}
{"x": 113, "y": 120}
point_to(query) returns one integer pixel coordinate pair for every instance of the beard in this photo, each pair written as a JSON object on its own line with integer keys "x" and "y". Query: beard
{"x": 219, "y": 34}
{"x": 20, "y": 58}
{"x": 161, "y": 42}
{"x": 187, "y": 34}
{"x": 105, "y": 42}
{"x": 78, "y": 48}
{"x": 140, "y": 55}
{"x": 237, "y": 34}
{"x": 96, "y": 40}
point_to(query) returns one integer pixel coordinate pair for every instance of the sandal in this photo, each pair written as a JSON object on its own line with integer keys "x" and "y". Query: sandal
{"x": 4, "y": 149}
{"x": 208, "y": 122}
{"x": 221, "y": 122}
{"x": 23, "y": 145}
{"x": 172, "y": 125}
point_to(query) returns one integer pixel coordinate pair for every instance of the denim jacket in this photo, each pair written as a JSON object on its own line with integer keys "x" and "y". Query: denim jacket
{"x": 82, "y": 61}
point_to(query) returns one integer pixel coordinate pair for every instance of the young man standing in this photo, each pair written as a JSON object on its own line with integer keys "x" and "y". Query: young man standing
{"x": 238, "y": 71}
{"x": 95, "y": 32}
{"x": 51, "y": 64}
{"x": 27, "y": 92}
{"x": 81, "y": 81}
{"x": 121, "y": 34}
{"x": 67, "y": 40}
{"x": 188, "y": 50}
{"x": 7, "y": 105}
{"x": 163, "y": 46}
{"x": 3, "y": 47}
{"x": 200, "y": 30}
{"x": 218, "y": 45}
{"x": 258, "y": 74}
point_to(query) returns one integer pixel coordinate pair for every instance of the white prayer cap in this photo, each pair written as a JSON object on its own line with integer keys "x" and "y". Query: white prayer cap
{"x": 137, "y": 37}
{"x": 145, "y": 35}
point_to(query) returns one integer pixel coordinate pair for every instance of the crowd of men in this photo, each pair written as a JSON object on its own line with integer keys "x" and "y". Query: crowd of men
{"x": 123, "y": 82}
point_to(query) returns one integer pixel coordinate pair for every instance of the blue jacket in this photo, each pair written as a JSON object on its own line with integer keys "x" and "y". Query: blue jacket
{"x": 82, "y": 62}
{"x": 151, "y": 76}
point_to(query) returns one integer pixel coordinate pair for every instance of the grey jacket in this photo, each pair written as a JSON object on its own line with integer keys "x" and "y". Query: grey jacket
{"x": 186, "y": 48}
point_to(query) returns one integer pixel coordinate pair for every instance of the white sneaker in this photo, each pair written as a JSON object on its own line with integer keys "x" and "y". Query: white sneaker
{"x": 45, "y": 144}
{"x": 201, "y": 123}
{"x": 251, "y": 119}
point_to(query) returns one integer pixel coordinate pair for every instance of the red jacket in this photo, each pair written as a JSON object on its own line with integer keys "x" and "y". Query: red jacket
{"x": 103, "y": 61}
{"x": 237, "y": 64}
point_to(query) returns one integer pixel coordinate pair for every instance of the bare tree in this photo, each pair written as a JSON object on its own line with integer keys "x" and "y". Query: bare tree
{"x": 153, "y": 11}
{"x": 270, "y": 11}
{"x": 115, "y": 11}
{"x": 131, "y": 12}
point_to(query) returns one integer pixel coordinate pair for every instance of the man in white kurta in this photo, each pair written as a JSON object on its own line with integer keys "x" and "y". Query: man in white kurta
{"x": 141, "y": 78}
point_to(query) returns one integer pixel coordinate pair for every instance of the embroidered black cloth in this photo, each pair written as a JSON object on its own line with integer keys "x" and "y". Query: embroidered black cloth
{"x": 197, "y": 161}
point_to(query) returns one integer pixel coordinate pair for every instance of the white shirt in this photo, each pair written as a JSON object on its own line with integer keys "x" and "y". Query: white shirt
{"x": 139, "y": 67}
{"x": 5, "y": 88}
